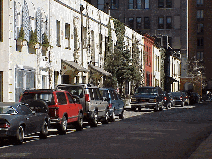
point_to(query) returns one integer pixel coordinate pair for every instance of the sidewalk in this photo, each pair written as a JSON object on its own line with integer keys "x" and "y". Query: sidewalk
{"x": 204, "y": 151}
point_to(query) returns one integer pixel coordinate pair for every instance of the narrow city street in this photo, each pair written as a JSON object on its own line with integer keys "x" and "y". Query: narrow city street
{"x": 174, "y": 133}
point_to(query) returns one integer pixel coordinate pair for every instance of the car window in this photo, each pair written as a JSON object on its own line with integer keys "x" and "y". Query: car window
{"x": 28, "y": 96}
{"x": 7, "y": 110}
{"x": 98, "y": 94}
{"x": 61, "y": 98}
{"x": 23, "y": 110}
{"x": 104, "y": 93}
{"x": 70, "y": 98}
{"x": 94, "y": 95}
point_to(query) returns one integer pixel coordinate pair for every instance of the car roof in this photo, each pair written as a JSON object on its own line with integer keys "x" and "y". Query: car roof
{"x": 106, "y": 88}
{"x": 43, "y": 91}
{"x": 9, "y": 103}
{"x": 78, "y": 84}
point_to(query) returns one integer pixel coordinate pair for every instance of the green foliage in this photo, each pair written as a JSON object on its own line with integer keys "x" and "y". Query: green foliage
{"x": 33, "y": 38}
{"x": 119, "y": 62}
{"x": 45, "y": 41}
{"x": 21, "y": 34}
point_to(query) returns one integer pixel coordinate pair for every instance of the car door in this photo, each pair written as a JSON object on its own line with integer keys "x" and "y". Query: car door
{"x": 30, "y": 119}
{"x": 73, "y": 107}
{"x": 102, "y": 105}
{"x": 62, "y": 103}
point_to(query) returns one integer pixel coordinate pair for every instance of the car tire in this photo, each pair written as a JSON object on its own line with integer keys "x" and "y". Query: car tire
{"x": 79, "y": 124}
{"x": 19, "y": 139}
{"x": 139, "y": 109}
{"x": 156, "y": 108}
{"x": 161, "y": 108}
{"x": 106, "y": 118}
{"x": 112, "y": 118}
{"x": 44, "y": 130}
{"x": 39, "y": 106}
{"x": 121, "y": 116}
{"x": 63, "y": 126}
{"x": 133, "y": 108}
{"x": 94, "y": 120}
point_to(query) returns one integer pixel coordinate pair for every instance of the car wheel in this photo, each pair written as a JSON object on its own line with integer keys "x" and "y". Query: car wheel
{"x": 79, "y": 125}
{"x": 161, "y": 108}
{"x": 20, "y": 135}
{"x": 121, "y": 116}
{"x": 156, "y": 108}
{"x": 94, "y": 121}
{"x": 63, "y": 127}
{"x": 133, "y": 108}
{"x": 112, "y": 118}
{"x": 44, "y": 131}
{"x": 106, "y": 118}
{"x": 139, "y": 109}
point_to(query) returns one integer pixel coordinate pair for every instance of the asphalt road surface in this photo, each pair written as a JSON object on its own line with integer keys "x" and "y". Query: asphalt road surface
{"x": 172, "y": 134}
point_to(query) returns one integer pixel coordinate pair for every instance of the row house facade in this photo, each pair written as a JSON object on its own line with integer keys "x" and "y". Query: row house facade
{"x": 45, "y": 43}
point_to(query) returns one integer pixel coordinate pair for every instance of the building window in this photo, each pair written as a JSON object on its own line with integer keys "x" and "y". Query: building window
{"x": 138, "y": 23}
{"x": 131, "y": 23}
{"x": 168, "y": 3}
{"x": 199, "y": 2}
{"x": 101, "y": 4}
{"x": 114, "y": 4}
{"x": 131, "y": 4}
{"x": 200, "y": 43}
{"x": 199, "y": 14}
{"x": 58, "y": 33}
{"x": 138, "y": 5}
{"x": 160, "y": 3}
{"x": 147, "y": 79}
{"x": 67, "y": 31}
{"x": 168, "y": 22}
{"x": 146, "y": 4}
{"x": 200, "y": 28}
{"x": 146, "y": 23}
{"x": 199, "y": 56}
{"x": 160, "y": 23}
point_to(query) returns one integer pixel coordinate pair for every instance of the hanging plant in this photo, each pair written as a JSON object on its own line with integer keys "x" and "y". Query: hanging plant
{"x": 33, "y": 40}
{"x": 45, "y": 42}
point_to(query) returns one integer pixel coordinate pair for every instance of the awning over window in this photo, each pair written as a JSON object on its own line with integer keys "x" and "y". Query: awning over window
{"x": 100, "y": 70}
{"x": 71, "y": 65}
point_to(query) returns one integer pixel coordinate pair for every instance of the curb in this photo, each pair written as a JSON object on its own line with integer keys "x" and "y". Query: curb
{"x": 204, "y": 151}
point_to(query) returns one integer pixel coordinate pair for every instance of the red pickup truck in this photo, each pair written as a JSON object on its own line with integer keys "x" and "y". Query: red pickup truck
{"x": 60, "y": 106}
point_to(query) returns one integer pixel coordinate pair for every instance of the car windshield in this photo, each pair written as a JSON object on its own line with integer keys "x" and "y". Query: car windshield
{"x": 74, "y": 90}
{"x": 176, "y": 93}
{"x": 48, "y": 97}
{"x": 146, "y": 91}
{"x": 104, "y": 93}
{"x": 7, "y": 110}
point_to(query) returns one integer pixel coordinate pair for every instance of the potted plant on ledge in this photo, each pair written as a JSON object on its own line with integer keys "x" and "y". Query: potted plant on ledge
{"x": 33, "y": 43}
{"x": 21, "y": 41}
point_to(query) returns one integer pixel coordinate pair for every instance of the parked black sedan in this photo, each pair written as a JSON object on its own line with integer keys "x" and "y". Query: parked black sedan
{"x": 18, "y": 120}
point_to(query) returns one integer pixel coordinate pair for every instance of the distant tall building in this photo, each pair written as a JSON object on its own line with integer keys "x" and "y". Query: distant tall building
{"x": 155, "y": 17}
{"x": 192, "y": 36}
{"x": 200, "y": 37}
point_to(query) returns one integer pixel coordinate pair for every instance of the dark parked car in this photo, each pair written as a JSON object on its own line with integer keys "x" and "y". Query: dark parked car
{"x": 194, "y": 97}
{"x": 17, "y": 120}
{"x": 116, "y": 105}
{"x": 167, "y": 100}
{"x": 186, "y": 98}
{"x": 147, "y": 97}
{"x": 94, "y": 107}
{"x": 178, "y": 99}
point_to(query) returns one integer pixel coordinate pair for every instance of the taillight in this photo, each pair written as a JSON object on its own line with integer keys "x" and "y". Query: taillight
{"x": 110, "y": 106}
{"x": 87, "y": 98}
{"x": 181, "y": 98}
{"x": 165, "y": 98}
{"x": 4, "y": 125}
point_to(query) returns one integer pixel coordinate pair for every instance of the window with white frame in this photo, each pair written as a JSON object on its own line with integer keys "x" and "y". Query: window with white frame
{"x": 200, "y": 28}
{"x": 146, "y": 4}
{"x": 58, "y": 42}
{"x": 101, "y": 4}
{"x": 199, "y": 14}
{"x": 160, "y": 23}
{"x": 114, "y": 4}
{"x": 139, "y": 4}
{"x": 131, "y": 4}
